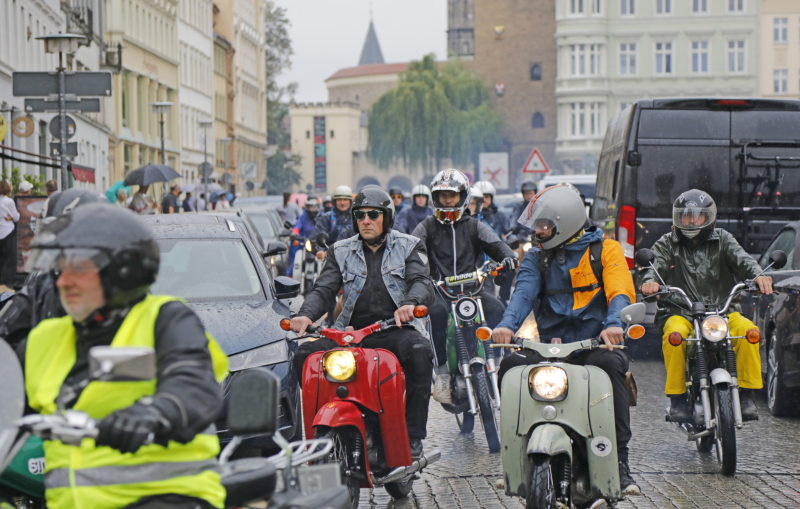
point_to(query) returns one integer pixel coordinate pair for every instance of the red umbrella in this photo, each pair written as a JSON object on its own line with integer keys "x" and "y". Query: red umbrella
{"x": 299, "y": 198}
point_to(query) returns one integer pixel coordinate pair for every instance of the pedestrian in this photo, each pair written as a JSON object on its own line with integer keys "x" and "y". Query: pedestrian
{"x": 188, "y": 203}
{"x": 24, "y": 188}
{"x": 289, "y": 212}
{"x": 8, "y": 237}
{"x": 51, "y": 187}
{"x": 143, "y": 204}
{"x": 223, "y": 202}
{"x": 169, "y": 205}
{"x": 201, "y": 202}
{"x": 121, "y": 197}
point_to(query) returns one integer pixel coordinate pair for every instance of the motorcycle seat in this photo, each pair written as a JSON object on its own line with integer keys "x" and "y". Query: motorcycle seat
{"x": 246, "y": 480}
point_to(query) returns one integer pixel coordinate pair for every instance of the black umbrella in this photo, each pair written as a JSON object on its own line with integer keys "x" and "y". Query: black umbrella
{"x": 150, "y": 174}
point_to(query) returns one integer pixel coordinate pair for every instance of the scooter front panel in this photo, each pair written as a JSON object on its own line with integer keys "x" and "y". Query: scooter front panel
{"x": 516, "y": 468}
{"x": 571, "y": 411}
{"x": 392, "y": 393}
{"x": 602, "y": 443}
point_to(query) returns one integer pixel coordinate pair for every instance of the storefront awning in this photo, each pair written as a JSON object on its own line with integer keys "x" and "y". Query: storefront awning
{"x": 83, "y": 173}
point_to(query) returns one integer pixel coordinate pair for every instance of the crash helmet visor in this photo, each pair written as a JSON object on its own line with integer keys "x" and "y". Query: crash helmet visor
{"x": 694, "y": 217}
{"x": 79, "y": 260}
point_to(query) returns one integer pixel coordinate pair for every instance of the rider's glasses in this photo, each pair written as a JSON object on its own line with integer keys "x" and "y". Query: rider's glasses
{"x": 372, "y": 214}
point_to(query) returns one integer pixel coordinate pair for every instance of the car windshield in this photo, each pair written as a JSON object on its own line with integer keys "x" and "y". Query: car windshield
{"x": 206, "y": 270}
{"x": 263, "y": 225}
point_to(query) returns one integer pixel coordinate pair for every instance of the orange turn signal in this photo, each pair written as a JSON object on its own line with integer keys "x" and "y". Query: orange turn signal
{"x": 295, "y": 242}
{"x": 675, "y": 339}
{"x": 420, "y": 312}
{"x": 483, "y": 333}
{"x": 495, "y": 272}
{"x": 636, "y": 331}
{"x": 753, "y": 336}
{"x": 286, "y": 324}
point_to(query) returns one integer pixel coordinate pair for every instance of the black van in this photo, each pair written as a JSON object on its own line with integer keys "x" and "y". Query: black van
{"x": 744, "y": 152}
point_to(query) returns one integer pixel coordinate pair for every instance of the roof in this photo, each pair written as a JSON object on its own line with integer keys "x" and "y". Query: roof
{"x": 369, "y": 70}
{"x": 371, "y": 53}
{"x": 189, "y": 226}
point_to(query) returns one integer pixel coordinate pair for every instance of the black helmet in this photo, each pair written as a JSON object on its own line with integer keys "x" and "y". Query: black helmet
{"x": 694, "y": 214}
{"x": 120, "y": 245}
{"x": 62, "y": 202}
{"x": 528, "y": 186}
{"x": 374, "y": 197}
{"x": 394, "y": 191}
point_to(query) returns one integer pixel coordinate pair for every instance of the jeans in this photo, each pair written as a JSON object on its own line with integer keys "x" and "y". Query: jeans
{"x": 615, "y": 363}
{"x": 413, "y": 351}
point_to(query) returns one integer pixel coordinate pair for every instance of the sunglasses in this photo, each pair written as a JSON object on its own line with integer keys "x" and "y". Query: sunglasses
{"x": 373, "y": 214}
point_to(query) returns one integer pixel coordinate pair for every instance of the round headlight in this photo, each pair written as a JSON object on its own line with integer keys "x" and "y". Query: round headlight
{"x": 340, "y": 365}
{"x": 548, "y": 382}
{"x": 308, "y": 245}
{"x": 715, "y": 328}
{"x": 527, "y": 246}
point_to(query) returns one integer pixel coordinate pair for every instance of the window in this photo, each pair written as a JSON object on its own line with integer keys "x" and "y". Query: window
{"x": 538, "y": 120}
{"x": 736, "y": 57}
{"x": 586, "y": 119}
{"x": 700, "y": 57}
{"x": 736, "y": 6}
{"x": 331, "y": 133}
{"x": 308, "y": 135}
{"x": 585, "y": 59}
{"x": 780, "y": 81}
{"x": 663, "y": 6}
{"x": 663, "y": 58}
{"x": 780, "y": 30}
{"x": 700, "y": 6}
{"x": 578, "y": 119}
{"x": 597, "y": 6}
{"x": 627, "y": 59}
{"x": 628, "y": 7}
{"x": 536, "y": 72}
{"x": 785, "y": 241}
{"x": 127, "y": 152}
{"x": 576, "y": 6}
{"x": 126, "y": 121}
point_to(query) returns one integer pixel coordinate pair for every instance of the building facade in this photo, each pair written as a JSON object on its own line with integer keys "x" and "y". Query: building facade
{"x": 612, "y": 53}
{"x": 461, "y": 29}
{"x": 779, "y": 58}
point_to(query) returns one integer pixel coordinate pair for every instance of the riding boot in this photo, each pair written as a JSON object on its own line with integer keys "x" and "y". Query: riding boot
{"x": 679, "y": 409}
{"x": 416, "y": 448}
{"x": 749, "y": 409}
{"x": 441, "y": 385}
{"x": 626, "y": 482}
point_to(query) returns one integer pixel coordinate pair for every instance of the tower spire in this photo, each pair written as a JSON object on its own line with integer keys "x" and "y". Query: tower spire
{"x": 371, "y": 53}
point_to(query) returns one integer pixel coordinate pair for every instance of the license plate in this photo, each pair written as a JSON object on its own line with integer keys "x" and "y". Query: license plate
{"x": 315, "y": 478}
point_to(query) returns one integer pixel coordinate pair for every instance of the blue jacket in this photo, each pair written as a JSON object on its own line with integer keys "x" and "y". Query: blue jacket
{"x": 408, "y": 218}
{"x": 572, "y": 316}
{"x": 304, "y": 226}
{"x": 496, "y": 219}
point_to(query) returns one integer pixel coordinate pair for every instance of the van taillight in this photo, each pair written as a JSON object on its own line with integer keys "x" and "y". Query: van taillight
{"x": 732, "y": 102}
{"x": 626, "y": 229}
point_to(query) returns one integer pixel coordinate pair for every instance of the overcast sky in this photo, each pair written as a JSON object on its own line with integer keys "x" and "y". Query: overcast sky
{"x": 327, "y": 35}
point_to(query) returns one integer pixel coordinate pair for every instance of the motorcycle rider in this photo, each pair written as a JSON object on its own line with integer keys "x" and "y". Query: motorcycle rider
{"x": 383, "y": 274}
{"x": 528, "y": 190}
{"x": 706, "y": 263}
{"x": 398, "y": 199}
{"x": 303, "y": 229}
{"x": 105, "y": 260}
{"x": 491, "y": 215}
{"x": 337, "y": 220}
{"x": 420, "y": 208}
{"x": 576, "y": 283}
{"x": 327, "y": 203}
{"x": 455, "y": 242}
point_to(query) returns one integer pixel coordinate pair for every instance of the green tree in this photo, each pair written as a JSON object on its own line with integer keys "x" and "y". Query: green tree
{"x": 433, "y": 114}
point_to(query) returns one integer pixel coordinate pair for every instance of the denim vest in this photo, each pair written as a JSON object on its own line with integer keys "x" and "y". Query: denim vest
{"x": 350, "y": 256}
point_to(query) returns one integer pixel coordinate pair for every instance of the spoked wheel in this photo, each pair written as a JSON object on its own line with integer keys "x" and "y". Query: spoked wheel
{"x": 781, "y": 400}
{"x": 725, "y": 431}
{"x": 480, "y": 382}
{"x": 342, "y": 454}
{"x": 399, "y": 489}
{"x": 542, "y": 490}
{"x": 466, "y": 422}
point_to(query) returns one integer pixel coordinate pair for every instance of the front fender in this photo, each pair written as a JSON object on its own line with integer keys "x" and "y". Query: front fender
{"x": 719, "y": 376}
{"x": 551, "y": 440}
{"x": 336, "y": 414}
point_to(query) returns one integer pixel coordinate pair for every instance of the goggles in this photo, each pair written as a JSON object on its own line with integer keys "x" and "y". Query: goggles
{"x": 448, "y": 215}
{"x": 372, "y": 214}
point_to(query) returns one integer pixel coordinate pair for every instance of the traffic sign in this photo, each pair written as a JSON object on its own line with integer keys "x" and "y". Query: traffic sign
{"x": 3, "y": 127}
{"x": 494, "y": 168}
{"x": 249, "y": 185}
{"x": 249, "y": 170}
{"x": 205, "y": 169}
{"x": 55, "y": 126}
{"x": 535, "y": 163}
{"x": 72, "y": 149}
{"x": 42, "y": 84}
{"x": 22, "y": 126}
{"x": 85, "y": 105}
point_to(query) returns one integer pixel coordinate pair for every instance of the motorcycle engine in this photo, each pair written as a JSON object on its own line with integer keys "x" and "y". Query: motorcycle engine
{"x": 459, "y": 388}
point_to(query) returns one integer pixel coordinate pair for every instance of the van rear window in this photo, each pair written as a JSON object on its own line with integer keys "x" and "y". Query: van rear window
{"x": 684, "y": 124}
{"x": 765, "y": 125}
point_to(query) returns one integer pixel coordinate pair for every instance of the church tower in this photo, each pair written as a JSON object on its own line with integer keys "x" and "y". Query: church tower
{"x": 461, "y": 29}
{"x": 371, "y": 54}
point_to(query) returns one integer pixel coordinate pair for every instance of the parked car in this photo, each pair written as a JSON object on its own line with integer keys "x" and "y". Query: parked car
{"x": 269, "y": 230}
{"x": 778, "y": 318}
{"x": 215, "y": 267}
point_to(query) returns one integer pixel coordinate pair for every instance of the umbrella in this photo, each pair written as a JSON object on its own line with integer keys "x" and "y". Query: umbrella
{"x": 149, "y": 174}
{"x": 216, "y": 196}
{"x": 299, "y": 198}
{"x": 111, "y": 194}
{"x": 212, "y": 187}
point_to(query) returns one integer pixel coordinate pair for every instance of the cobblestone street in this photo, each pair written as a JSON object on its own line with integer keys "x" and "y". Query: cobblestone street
{"x": 669, "y": 470}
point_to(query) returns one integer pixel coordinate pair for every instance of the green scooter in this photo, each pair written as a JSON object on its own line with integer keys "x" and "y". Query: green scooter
{"x": 559, "y": 442}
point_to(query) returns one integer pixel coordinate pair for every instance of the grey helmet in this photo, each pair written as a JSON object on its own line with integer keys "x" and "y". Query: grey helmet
{"x": 528, "y": 186}
{"x": 343, "y": 193}
{"x": 63, "y": 202}
{"x": 450, "y": 180}
{"x": 421, "y": 190}
{"x": 556, "y": 216}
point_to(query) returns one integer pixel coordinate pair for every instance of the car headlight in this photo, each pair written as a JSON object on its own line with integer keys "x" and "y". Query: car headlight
{"x": 308, "y": 245}
{"x": 272, "y": 353}
{"x": 715, "y": 328}
{"x": 527, "y": 246}
{"x": 340, "y": 365}
{"x": 548, "y": 382}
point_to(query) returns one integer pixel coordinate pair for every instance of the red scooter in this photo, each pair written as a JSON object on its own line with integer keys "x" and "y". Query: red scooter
{"x": 357, "y": 397}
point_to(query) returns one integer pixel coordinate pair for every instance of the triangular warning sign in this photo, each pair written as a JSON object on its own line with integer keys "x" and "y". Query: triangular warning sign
{"x": 535, "y": 163}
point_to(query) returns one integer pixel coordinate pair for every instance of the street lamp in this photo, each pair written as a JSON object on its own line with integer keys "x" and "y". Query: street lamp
{"x": 162, "y": 108}
{"x": 205, "y": 124}
{"x": 62, "y": 43}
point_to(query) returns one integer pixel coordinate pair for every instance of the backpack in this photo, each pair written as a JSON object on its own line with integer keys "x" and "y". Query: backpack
{"x": 595, "y": 260}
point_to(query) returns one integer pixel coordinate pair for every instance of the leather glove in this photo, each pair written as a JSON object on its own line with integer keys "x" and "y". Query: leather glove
{"x": 130, "y": 428}
{"x": 510, "y": 263}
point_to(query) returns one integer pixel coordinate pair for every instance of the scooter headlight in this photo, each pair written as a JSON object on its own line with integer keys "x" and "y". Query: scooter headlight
{"x": 340, "y": 365}
{"x": 549, "y": 383}
{"x": 715, "y": 328}
{"x": 308, "y": 245}
{"x": 527, "y": 246}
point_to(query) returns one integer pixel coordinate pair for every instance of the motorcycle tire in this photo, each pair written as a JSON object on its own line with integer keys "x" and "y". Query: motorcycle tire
{"x": 726, "y": 430}
{"x": 781, "y": 400}
{"x": 398, "y": 490}
{"x": 542, "y": 489}
{"x": 480, "y": 383}
{"x": 342, "y": 454}
{"x": 705, "y": 444}
{"x": 466, "y": 422}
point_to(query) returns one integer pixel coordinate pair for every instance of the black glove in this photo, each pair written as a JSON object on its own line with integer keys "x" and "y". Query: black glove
{"x": 130, "y": 428}
{"x": 510, "y": 263}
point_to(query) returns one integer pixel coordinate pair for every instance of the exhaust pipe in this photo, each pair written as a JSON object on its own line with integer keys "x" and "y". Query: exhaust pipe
{"x": 403, "y": 472}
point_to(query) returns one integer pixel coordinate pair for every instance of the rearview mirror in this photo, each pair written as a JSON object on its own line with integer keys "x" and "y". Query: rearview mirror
{"x": 644, "y": 257}
{"x": 253, "y": 402}
{"x": 275, "y": 247}
{"x": 285, "y": 232}
{"x": 128, "y": 364}
{"x": 323, "y": 239}
{"x": 633, "y": 313}
{"x": 777, "y": 259}
{"x": 286, "y": 287}
{"x": 512, "y": 241}
{"x": 288, "y": 225}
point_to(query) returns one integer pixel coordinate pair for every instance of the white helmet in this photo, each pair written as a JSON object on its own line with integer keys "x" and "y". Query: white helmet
{"x": 475, "y": 193}
{"x": 421, "y": 190}
{"x": 343, "y": 193}
{"x": 450, "y": 180}
{"x": 486, "y": 187}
